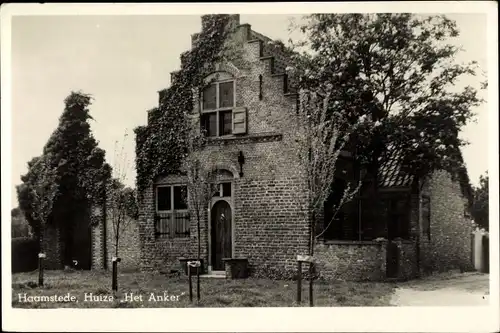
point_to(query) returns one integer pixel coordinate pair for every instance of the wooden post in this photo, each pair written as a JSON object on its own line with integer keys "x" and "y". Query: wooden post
{"x": 299, "y": 281}
{"x": 114, "y": 282}
{"x": 190, "y": 283}
{"x": 41, "y": 256}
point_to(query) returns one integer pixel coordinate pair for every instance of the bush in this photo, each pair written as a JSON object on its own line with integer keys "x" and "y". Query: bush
{"x": 24, "y": 254}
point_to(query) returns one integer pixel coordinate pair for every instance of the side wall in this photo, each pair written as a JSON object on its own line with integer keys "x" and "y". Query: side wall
{"x": 449, "y": 246}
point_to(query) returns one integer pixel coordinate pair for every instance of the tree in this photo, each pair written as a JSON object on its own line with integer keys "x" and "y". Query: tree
{"x": 201, "y": 183}
{"x": 321, "y": 137}
{"x": 20, "y": 227}
{"x": 480, "y": 207}
{"x": 43, "y": 193}
{"x": 80, "y": 168}
{"x": 121, "y": 201}
{"x": 398, "y": 71}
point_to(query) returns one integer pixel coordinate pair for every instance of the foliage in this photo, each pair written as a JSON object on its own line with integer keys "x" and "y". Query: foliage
{"x": 76, "y": 166}
{"x": 39, "y": 193}
{"x": 480, "y": 207}
{"x": 162, "y": 144}
{"x": 398, "y": 71}
{"x": 20, "y": 227}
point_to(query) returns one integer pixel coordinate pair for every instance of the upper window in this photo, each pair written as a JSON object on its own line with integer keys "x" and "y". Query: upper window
{"x": 172, "y": 215}
{"x": 218, "y": 101}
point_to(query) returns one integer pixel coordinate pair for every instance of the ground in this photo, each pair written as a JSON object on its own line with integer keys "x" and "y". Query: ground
{"x": 444, "y": 290}
{"x": 214, "y": 292}
{"x": 238, "y": 293}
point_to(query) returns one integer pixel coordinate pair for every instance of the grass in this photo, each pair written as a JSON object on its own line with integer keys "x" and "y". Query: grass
{"x": 214, "y": 292}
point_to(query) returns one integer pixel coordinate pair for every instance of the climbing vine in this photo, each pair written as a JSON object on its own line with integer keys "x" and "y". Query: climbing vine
{"x": 161, "y": 146}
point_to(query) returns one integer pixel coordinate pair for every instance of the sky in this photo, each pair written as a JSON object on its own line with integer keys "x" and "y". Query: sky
{"x": 122, "y": 61}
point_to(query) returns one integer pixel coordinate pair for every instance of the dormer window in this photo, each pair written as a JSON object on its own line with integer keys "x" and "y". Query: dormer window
{"x": 218, "y": 101}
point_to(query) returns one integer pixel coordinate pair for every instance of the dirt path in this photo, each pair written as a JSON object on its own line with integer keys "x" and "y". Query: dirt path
{"x": 444, "y": 290}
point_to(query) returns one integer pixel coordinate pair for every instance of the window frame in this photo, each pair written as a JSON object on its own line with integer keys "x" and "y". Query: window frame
{"x": 218, "y": 110}
{"x": 220, "y": 190}
{"x": 172, "y": 212}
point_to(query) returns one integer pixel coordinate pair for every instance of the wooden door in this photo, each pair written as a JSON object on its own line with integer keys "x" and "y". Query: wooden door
{"x": 221, "y": 234}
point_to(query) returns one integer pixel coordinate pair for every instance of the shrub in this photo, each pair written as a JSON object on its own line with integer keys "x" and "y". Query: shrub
{"x": 24, "y": 254}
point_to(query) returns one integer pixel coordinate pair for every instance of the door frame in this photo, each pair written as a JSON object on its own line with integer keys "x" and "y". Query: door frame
{"x": 212, "y": 203}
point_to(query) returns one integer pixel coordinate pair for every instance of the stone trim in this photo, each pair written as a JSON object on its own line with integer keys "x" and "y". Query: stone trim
{"x": 261, "y": 137}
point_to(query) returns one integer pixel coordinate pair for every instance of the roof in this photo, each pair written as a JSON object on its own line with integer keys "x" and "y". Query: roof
{"x": 391, "y": 173}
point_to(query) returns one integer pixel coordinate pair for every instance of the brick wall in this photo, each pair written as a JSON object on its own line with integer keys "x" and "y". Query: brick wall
{"x": 351, "y": 260}
{"x": 450, "y": 244}
{"x": 128, "y": 244}
{"x": 103, "y": 241}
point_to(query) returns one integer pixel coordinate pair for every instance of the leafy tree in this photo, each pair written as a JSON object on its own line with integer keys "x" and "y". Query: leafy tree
{"x": 42, "y": 191}
{"x": 20, "y": 227}
{"x": 480, "y": 208}
{"x": 398, "y": 71}
{"x": 80, "y": 168}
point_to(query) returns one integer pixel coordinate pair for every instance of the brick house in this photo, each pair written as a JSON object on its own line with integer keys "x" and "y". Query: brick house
{"x": 259, "y": 212}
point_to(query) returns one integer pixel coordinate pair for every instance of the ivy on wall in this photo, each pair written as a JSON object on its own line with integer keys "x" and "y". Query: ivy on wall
{"x": 161, "y": 146}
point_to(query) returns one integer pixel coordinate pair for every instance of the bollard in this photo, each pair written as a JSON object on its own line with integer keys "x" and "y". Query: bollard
{"x": 41, "y": 256}
{"x": 114, "y": 282}
{"x": 299, "y": 281}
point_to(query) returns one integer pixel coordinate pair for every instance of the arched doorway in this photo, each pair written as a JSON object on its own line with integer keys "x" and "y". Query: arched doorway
{"x": 221, "y": 234}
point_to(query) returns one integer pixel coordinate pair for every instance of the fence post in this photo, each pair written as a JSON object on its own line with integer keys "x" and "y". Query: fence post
{"x": 190, "y": 283}
{"x": 299, "y": 281}
{"x": 114, "y": 282}
{"x": 41, "y": 256}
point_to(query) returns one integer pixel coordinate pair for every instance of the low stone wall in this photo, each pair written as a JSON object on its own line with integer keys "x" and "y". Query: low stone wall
{"x": 355, "y": 261}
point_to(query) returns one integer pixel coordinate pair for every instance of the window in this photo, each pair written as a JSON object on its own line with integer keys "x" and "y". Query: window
{"x": 217, "y": 109}
{"x": 172, "y": 215}
{"x": 426, "y": 217}
{"x": 223, "y": 190}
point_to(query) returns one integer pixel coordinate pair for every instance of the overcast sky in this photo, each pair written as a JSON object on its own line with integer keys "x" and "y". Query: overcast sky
{"x": 124, "y": 60}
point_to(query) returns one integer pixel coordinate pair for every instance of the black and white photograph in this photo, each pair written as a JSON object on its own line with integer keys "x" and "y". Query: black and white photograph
{"x": 286, "y": 160}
